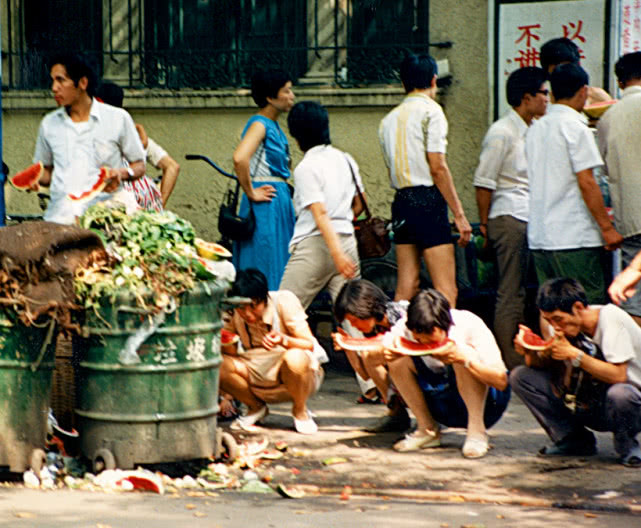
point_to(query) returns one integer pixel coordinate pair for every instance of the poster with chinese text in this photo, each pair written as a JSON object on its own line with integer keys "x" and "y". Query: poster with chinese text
{"x": 524, "y": 27}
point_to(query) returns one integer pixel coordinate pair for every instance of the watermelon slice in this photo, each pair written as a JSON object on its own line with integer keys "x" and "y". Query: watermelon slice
{"x": 211, "y": 250}
{"x": 596, "y": 110}
{"x": 358, "y": 344}
{"x": 228, "y": 338}
{"x": 204, "y": 268}
{"x": 24, "y": 179}
{"x": 143, "y": 479}
{"x": 95, "y": 190}
{"x": 528, "y": 339}
{"x": 402, "y": 345}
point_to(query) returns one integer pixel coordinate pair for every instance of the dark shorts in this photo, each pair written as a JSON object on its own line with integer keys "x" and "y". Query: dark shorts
{"x": 419, "y": 217}
{"x": 445, "y": 403}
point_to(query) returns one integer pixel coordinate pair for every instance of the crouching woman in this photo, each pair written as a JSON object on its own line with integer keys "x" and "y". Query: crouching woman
{"x": 276, "y": 360}
{"x": 464, "y": 385}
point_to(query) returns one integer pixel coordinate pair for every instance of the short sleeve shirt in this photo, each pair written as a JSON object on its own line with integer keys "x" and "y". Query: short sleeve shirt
{"x": 77, "y": 151}
{"x": 411, "y": 130}
{"x": 324, "y": 175}
{"x": 620, "y": 340}
{"x": 470, "y": 334}
{"x": 558, "y": 146}
{"x": 503, "y": 169}
{"x": 155, "y": 152}
{"x": 283, "y": 304}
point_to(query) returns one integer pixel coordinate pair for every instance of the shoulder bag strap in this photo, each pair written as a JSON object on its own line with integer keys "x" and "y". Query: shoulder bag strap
{"x": 358, "y": 190}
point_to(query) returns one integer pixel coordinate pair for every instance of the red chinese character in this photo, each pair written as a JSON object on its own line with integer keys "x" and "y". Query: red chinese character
{"x": 567, "y": 30}
{"x": 527, "y": 57}
{"x": 527, "y": 34}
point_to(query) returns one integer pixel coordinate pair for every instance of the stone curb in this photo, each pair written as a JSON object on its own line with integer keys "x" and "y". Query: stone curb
{"x": 457, "y": 497}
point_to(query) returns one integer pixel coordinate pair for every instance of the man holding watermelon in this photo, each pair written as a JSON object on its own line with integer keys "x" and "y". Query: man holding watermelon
{"x": 460, "y": 381}
{"x": 81, "y": 141}
{"x": 588, "y": 377}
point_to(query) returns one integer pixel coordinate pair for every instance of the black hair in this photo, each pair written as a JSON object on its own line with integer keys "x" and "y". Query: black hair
{"x": 527, "y": 80}
{"x": 560, "y": 294}
{"x": 628, "y": 67}
{"x": 558, "y": 51}
{"x": 417, "y": 72}
{"x": 77, "y": 67}
{"x": 567, "y": 79}
{"x": 266, "y": 84}
{"x": 250, "y": 283}
{"x": 362, "y": 299}
{"x": 308, "y": 124}
{"x": 428, "y": 309}
{"x": 110, "y": 93}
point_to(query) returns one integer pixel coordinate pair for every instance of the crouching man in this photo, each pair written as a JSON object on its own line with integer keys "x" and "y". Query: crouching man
{"x": 462, "y": 386}
{"x": 589, "y": 378}
{"x": 277, "y": 360}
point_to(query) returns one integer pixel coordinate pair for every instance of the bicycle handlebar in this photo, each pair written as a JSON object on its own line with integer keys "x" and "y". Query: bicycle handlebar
{"x": 210, "y": 162}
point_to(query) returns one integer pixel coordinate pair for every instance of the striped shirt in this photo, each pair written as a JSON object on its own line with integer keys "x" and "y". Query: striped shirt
{"x": 411, "y": 130}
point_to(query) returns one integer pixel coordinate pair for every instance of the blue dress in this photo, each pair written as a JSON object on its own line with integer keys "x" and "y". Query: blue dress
{"x": 268, "y": 250}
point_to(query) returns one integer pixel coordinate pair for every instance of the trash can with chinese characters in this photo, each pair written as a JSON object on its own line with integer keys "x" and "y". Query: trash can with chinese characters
{"x": 147, "y": 384}
{"x": 26, "y": 371}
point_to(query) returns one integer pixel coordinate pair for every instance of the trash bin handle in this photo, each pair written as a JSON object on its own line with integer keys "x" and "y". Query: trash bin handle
{"x": 45, "y": 345}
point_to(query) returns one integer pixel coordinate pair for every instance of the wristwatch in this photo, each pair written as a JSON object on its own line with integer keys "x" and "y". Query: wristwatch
{"x": 576, "y": 362}
{"x": 130, "y": 171}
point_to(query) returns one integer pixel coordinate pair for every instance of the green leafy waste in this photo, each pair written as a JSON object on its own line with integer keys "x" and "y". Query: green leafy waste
{"x": 150, "y": 255}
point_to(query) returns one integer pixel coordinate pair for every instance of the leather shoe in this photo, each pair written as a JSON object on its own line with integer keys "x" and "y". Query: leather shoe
{"x": 581, "y": 444}
{"x": 397, "y": 423}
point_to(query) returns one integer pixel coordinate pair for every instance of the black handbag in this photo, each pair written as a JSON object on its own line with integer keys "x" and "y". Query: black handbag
{"x": 230, "y": 224}
{"x": 372, "y": 235}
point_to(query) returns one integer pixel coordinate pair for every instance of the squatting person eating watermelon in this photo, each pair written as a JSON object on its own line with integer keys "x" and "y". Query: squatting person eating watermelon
{"x": 460, "y": 381}
{"x": 589, "y": 377}
{"x": 80, "y": 142}
{"x": 279, "y": 359}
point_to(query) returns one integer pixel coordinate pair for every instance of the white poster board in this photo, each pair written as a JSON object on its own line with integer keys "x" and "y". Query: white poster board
{"x": 524, "y": 27}
{"x": 629, "y": 25}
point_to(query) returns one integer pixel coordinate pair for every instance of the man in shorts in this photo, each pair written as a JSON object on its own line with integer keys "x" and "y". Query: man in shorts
{"x": 413, "y": 137}
{"x": 569, "y": 227}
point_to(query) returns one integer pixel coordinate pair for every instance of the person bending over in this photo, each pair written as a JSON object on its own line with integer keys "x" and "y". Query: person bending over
{"x": 277, "y": 353}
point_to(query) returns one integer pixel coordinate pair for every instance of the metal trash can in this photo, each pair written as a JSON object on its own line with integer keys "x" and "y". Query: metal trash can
{"x": 164, "y": 407}
{"x": 26, "y": 370}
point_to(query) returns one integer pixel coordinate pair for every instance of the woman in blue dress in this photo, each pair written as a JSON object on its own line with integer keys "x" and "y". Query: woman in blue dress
{"x": 261, "y": 163}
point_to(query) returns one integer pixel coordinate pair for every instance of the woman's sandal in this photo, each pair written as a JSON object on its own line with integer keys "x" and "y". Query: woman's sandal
{"x": 633, "y": 458}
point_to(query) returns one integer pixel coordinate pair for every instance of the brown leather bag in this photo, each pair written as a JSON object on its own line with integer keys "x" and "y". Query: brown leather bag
{"x": 372, "y": 235}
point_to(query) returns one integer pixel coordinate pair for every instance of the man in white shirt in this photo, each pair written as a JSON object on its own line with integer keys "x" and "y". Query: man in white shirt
{"x": 502, "y": 197}
{"x": 589, "y": 377}
{"x": 79, "y": 138}
{"x": 568, "y": 226}
{"x": 619, "y": 130}
{"x": 413, "y": 137}
{"x": 464, "y": 385}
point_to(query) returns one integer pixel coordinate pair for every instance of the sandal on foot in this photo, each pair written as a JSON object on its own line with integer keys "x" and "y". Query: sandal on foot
{"x": 476, "y": 446}
{"x": 248, "y": 421}
{"x": 414, "y": 442}
{"x": 307, "y": 426}
{"x": 633, "y": 458}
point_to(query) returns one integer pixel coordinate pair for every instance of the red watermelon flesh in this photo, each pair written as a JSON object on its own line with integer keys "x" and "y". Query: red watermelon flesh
{"x": 228, "y": 338}
{"x": 24, "y": 179}
{"x": 528, "y": 339}
{"x": 358, "y": 344}
{"x": 95, "y": 190}
{"x": 402, "y": 345}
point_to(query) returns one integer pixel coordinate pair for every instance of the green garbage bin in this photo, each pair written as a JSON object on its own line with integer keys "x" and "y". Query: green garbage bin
{"x": 26, "y": 371}
{"x": 162, "y": 408}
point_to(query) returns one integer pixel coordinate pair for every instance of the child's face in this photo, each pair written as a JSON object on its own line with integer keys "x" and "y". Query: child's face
{"x": 364, "y": 325}
{"x": 437, "y": 335}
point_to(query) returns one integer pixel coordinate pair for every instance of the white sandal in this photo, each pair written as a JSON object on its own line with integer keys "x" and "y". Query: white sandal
{"x": 476, "y": 446}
